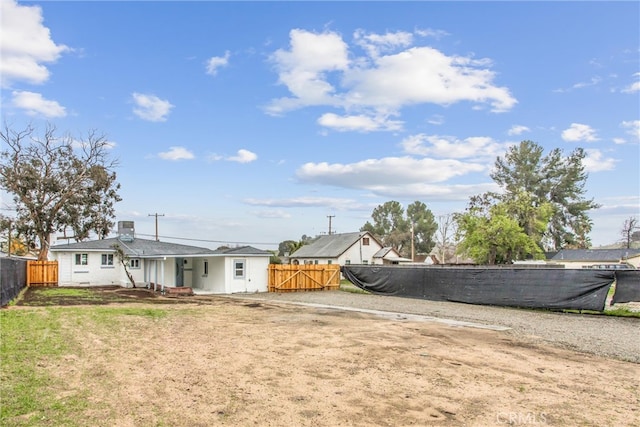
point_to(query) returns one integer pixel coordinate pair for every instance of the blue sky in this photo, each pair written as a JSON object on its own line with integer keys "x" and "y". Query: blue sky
{"x": 252, "y": 122}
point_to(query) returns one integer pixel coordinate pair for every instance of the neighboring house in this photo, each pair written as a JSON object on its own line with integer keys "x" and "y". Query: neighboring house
{"x": 223, "y": 271}
{"x": 346, "y": 249}
{"x": 597, "y": 258}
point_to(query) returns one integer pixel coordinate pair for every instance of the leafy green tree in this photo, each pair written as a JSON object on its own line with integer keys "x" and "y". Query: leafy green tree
{"x": 492, "y": 235}
{"x": 393, "y": 228}
{"x": 553, "y": 179}
{"x": 291, "y": 246}
{"x": 58, "y": 182}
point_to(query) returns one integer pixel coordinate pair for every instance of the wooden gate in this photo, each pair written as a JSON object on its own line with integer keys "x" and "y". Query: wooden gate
{"x": 309, "y": 277}
{"x": 42, "y": 273}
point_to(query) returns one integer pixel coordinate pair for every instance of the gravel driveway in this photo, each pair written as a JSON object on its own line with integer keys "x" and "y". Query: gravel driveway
{"x": 608, "y": 336}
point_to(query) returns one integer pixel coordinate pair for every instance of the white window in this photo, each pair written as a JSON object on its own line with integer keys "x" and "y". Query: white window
{"x": 347, "y": 262}
{"x": 205, "y": 270}
{"x": 330, "y": 262}
{"x": 134, "y": 263}
{"x": 238, "y": 268}
{"x": 107, "y": 259}
{"x": 365, "y": 262}
{"x": 82, "y": 259}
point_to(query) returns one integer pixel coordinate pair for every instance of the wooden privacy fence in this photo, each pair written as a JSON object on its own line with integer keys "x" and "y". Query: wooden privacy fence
{"x": 300, "y": 278}
{"x": 42, "y": 273}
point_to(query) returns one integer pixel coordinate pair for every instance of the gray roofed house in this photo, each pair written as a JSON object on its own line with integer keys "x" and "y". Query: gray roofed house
{"x": 156, "y": 263}
{"x": 597, "y": 258}
{"x": 344, "y": 249}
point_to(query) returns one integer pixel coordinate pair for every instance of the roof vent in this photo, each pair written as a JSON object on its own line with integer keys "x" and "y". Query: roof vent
{"x": 126, "y": 231}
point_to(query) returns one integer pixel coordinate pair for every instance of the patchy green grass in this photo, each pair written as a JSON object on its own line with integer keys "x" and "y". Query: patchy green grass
{"x": 347, "y": 286}
{"x": 31, "y": 340}
{"x": 32, "y": 343}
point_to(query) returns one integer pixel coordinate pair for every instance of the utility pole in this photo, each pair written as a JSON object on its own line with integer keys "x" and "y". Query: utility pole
{"x": 156, "y": 215}
{"x": 413, "y": 245}
{"x": 330, "y": 216}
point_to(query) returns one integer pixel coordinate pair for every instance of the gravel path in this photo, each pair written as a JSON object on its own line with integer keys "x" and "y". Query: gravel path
{"x": 607, "y": 336}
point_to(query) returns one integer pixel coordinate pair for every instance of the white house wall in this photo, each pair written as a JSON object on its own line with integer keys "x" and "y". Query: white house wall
{"x": 359, "y": 253}
{"x": 255, "y": 278}
{"x": 92, "y": 274}
{"x": 214, "y": 281}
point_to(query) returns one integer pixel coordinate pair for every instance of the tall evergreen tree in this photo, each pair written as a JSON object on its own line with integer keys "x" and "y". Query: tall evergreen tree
{"x": 551, "y": 178}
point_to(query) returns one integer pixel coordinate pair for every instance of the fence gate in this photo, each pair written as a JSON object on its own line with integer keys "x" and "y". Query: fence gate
{"x": 42, "y": 273}
{"x": 310, "y": 277}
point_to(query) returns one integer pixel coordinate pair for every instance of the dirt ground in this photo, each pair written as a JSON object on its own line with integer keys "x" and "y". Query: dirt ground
{"x": 225, "y": 361}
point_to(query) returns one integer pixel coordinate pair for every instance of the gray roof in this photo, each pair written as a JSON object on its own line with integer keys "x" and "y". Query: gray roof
{"x": 383, "y": 252}
{"x": 144, "y": 248}
{"x": 595, "y": 255}
{"x": 329, "y": 246}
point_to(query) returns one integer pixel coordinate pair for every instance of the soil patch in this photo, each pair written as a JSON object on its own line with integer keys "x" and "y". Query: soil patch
{"x": 227, "y": 361}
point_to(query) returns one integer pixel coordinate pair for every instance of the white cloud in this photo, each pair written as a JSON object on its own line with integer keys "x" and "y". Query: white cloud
{"x": 243, "y": 156}
{"x": 25, "y": 45}
{"x": 34, "y": 104}
{"x": 435, "y": 192}
{"x": 579, "y": 132}
{"x": 151, "y": 108}
{"x": 375, "y": 44}
{"x": 306, "y": 202}
{"x": 318, "y": 70}
{"x": 595, "y": 161}
{"x": 518, "y": 130}
{"x": 450, "y": 147}
{"x": 633, "y": 128}
{"x": 359, "y": 123}
{"x": 374, "y": 174}
{"x": 633, "y": 87}
{"x": 176, "y": 153}
{"x": 302, "y": 69}
{"x": 216, "y": 62}
{"x": 428, "y": 32}
{"x": 436, "y": 119}
{"x": 278, "y": 214}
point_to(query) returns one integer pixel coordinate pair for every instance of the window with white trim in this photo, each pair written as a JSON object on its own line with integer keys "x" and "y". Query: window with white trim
{"x": 134, "y": 263}
{"x": 205, "y": 269}
{"x": 107, "y": 260}
{"x": 82, "y": 259}
{"x": 238, "y": 268}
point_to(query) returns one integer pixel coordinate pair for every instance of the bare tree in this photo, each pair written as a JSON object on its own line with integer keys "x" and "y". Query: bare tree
{"x": 58, "y": 182}
{"x": 444, "y": 236}
{"x": 628, "y": 231}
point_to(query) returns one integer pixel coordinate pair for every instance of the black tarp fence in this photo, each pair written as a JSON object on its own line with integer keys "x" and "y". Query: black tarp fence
{"x": 13, "y": 278}
{"x": 627, "y": 286}
{"x": 550, "y": 288}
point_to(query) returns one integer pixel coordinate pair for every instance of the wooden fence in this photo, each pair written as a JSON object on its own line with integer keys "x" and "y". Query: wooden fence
{"x": 300, "y": 278}
{"x": 42, "y": 273}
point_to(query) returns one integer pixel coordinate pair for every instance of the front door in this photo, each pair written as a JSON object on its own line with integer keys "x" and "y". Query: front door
{"x": 179, "y": 272}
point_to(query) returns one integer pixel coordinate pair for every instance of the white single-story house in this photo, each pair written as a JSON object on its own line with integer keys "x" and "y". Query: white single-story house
{"x": 157, "y": 264}
{"x": 345, "y": 249}
{"x": 609, "y": 259}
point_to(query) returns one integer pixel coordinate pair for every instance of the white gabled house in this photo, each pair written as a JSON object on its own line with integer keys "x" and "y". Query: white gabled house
{"x": 159, "y": 264}
{"x": 345, "y": 249}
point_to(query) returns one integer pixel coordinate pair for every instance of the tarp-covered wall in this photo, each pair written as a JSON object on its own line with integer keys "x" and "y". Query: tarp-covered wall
{"x": 627, "y": 286}
{"x": 551, "y": 288}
